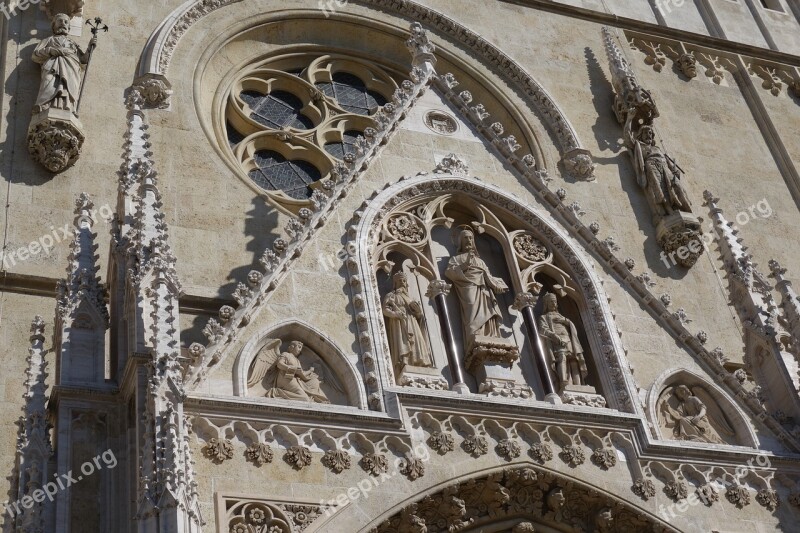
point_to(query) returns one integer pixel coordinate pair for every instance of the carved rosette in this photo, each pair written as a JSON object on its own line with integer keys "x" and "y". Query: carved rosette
{"x": 55, "y": 139}
{"x": 406, "y": 228}
{"x": 509, "y": 448}
{"x": 605, "y": 458}
{"x": 476, "y": 445}
{"x": 375, "y": 463}
{"x": 573, "y": 455}
{"x": 259, "y": 453}
{"x": 677, "y": 490}
{"x": 768, "y": 498}
{"x": 644, "y": 488}
{"x": 412, "y": 467}
{"x": 530, "y": 249}
{"x": 542, "y": 452}
{"x": 298, "y": 456}
{"x": 738, "y": 495}
{"x": 442, "y": 442}
{"x": 337, "y": 460}
{"x": 708, "y": 494}
{"x": 218, "y": 450}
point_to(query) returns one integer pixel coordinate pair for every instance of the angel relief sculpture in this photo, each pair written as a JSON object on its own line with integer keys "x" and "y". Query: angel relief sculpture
{"x": 282, "y": 376}
{"x": 693, "y": 415}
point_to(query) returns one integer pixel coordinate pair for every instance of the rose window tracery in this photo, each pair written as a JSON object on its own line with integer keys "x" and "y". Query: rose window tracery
{"x": 289, "y": 119}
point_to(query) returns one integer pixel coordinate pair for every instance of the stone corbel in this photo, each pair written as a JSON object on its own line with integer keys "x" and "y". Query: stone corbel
{"x": 155, "y": 90}
{"x": 55, "y": 139}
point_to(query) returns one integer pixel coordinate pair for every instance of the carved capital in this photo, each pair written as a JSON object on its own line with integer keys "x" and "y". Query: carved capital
{"x": 55, "y": 139}
{"x": 523, "y": 300}
{"x": 437, "y": 287}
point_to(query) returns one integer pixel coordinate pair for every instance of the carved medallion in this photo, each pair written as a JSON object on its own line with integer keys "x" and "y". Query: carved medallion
{"x": 441, "y": 122}
{"x": 406, "y": 228}
{"x": 530, "y": 248}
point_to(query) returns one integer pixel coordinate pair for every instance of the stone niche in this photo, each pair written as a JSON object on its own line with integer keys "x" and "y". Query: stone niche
{"x": 687, "y": 408}
{"x": 294, "y": 361}
{"x": 450, "y": 272}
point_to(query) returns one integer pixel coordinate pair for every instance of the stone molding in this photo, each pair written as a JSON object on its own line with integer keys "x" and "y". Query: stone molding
{"x": 158, "y": 51}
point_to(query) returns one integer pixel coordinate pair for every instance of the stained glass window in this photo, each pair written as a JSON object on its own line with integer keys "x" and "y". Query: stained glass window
{"x": 352, "y": 94}
{"x": 346, "y": 146}
{"x": 275, "y": 173}
{"x": 278, "y": 109}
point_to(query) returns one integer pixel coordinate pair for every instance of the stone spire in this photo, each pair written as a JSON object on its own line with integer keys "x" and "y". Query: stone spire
{"x": 751, "y": 296}
{"x": 33, "y": 443}
{"x": 82, "y": 316}
{"x": 167, "y": 491}
{"x": 790, "y": 302}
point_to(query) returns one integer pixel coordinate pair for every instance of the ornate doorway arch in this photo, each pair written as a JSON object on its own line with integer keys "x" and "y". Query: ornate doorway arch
{"x": 517, "y": 499}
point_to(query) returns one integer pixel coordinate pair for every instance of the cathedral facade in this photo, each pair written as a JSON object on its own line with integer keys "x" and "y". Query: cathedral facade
{"x": 410, "y": 266}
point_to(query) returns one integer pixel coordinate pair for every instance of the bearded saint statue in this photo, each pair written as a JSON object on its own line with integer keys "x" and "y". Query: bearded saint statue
{"x": 61, "y": 59}
{"x": 476, "y": 288}
{"x": 563, "y": 345}
{"x": 405, "y": 326}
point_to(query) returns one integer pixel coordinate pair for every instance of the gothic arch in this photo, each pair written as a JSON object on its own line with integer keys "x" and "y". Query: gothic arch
{"x": 156, "y": 57}
{"x": 588, "y": 296}
{"x": 322, "y": 345}
{"x": 502, "y": 498}
{"x": 744, "y": 433}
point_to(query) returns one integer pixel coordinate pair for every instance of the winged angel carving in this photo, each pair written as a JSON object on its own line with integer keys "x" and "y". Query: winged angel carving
{"x": 282, "y": 375}
{"x": 693, "y": 415}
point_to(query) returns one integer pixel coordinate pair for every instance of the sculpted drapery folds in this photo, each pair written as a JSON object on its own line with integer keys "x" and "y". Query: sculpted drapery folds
{"x": 656, "y": 172}
{"x": 476, "y": 288}
{"x": 562, "y": 344}
{"x": 405, "y": 326}
{"x": 61, "y": 59}
{"x": 282, "y": 375}
{"x": 688, "y": 417}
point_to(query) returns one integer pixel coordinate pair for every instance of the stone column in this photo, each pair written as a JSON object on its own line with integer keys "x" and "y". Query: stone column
{"x": 438, "y": 290}
{"x": 524, "y": 303}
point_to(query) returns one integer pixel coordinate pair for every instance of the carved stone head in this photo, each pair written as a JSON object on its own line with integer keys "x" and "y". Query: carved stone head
{"x": 466, "y": 241}
{"x": 550, "y": 302}
{"x": 647, "y": 135}
{"x": 556, "y": 499}
{"x": 295, "y": 347}
{"x": 400, "y": 281}
{"x": 682, "y": 392}
{"x": 60, "y": 25}
{"x": 688, "y": 64}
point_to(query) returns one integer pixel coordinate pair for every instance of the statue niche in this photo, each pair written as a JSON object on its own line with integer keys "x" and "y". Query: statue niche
{"x": 693, "y": 415}
{"x": 563, "y": 346}
{"x": 481, "y": 316}
{"x": 277, "y": 374}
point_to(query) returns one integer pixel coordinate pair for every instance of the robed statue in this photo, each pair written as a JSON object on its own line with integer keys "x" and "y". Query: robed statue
{"x": 562, "y": 344}
{"x": 656, "y": 172}
{"x": 405, "y": 326}
{"x": 476, "y": 288}
{"x": 689, "y": 416}
{"x": 61, "y": 59}
{"x": 282, "y": 375}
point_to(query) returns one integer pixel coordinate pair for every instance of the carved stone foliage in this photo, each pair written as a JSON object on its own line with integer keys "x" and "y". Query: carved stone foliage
{"x": 677, "y": 229}
{"x": 55, "y": 142}
{"x": 692, "y": 414}
{"x": 218, "y": 450}
{"x": 527, "y": 493}
{"x": 260, "y": 516}
{"x": 259, "y": 453}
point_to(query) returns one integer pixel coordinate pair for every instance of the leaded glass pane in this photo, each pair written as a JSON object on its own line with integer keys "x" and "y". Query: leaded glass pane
{"x": 274, "y": 173}
{"x": 352, "y": 94}
{"x": 346, "y": 146}
{"x": 277, "y": 110}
